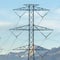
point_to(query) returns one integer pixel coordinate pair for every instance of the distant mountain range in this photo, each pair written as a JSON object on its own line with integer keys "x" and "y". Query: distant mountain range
{"x": 40, "y": 53}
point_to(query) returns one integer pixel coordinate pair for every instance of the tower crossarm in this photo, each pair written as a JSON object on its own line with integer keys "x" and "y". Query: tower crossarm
{"x": 26, "y": 8}
{"x": 36, "y": 28}
{"x": 24, "y": 27}
{"x": 41, "y": 28}
{"x": 36, "y": 9}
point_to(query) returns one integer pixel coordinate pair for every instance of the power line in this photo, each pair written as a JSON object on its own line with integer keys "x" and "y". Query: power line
{"x": 42, "y": 17}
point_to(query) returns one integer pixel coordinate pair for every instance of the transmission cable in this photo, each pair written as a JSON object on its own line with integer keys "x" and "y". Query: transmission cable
{"x": 13, "y": 43}
{"x": 41, "y": 16}
{"x": 43, "y": 34}
{"x": 21, "y": 48}
{"x": 6, "y": 40}
{"x": 42, "y": 55}
{"x": 16, "y": 35}
{"x": 19, "y": 17}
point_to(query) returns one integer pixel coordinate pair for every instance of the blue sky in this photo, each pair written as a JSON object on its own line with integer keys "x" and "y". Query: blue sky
{"x": 8, "y": 19}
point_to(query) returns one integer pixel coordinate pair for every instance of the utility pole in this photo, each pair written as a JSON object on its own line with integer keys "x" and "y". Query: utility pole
{"x": 31, "y": 8}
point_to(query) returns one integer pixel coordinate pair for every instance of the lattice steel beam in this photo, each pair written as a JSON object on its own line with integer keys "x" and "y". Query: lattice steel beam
{"x": 31, "y": 8}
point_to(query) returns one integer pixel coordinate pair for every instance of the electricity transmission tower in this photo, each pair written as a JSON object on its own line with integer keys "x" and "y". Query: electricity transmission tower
{"x": 31, "y": 27}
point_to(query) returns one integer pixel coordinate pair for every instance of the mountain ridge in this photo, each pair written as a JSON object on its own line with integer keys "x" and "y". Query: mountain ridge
{"x": 42, "y": 53}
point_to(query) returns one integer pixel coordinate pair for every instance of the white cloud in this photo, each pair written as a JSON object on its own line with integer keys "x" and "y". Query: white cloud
{"x": 57, "y": 11}
{"x": 2, "y": 23}
{"x": 53, "y": 24}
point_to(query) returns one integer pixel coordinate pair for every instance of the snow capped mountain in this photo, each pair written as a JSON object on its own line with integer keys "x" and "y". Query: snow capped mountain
{"x": 39, "y": 53}
{"x": 54, "y": 51}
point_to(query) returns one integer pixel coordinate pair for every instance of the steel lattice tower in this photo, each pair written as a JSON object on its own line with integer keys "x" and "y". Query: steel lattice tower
{"x": 31, "y": 8}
